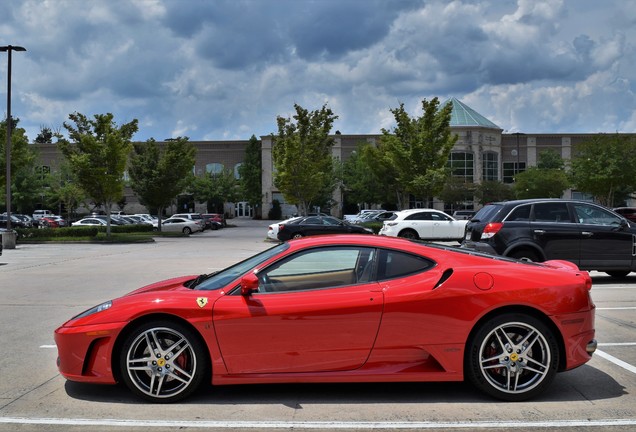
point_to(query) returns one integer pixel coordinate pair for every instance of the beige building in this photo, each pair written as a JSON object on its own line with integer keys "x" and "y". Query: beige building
{"x": 483, "y": 152}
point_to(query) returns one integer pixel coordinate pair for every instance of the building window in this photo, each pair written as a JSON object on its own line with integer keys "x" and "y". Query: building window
{"x": 462, "y": 166}
{"x": 214, "y": 168}
{"x": 490, "y": 166}
{"x": 511, "y": 169}
{"x": 237, "y": 172}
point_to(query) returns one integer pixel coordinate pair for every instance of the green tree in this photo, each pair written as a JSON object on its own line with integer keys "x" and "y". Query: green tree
{"x": 547, "y": 180}
{"x": 45, "y": 136}
{"x": 159, "y": 174}
{"x": 215, "y": 189}
{"x": 97, "y": 154}
{"x": 456, "y": 191}
{"x": 26, "y": 182}
{"x": 360, "y": 180}
{"x": 414, "y": 155}
{"x": 492, "y": 191}
{"x": 304, "y": 169}
{"x": 62, "y": 188}
{"x": 251, "y": 175}
{"x": 604, "y": 166}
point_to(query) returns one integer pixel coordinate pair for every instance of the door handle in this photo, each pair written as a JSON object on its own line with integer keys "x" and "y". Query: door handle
{"x": 539, "y": 231}
{"x": 587, "y": 234}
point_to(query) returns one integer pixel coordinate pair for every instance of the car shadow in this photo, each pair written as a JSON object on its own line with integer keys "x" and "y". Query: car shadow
{"x": 583, "y": 384}
{"x": 603, "y": 279}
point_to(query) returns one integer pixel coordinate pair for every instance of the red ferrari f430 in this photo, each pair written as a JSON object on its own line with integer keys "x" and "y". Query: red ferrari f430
{"x": 350, "y": 308}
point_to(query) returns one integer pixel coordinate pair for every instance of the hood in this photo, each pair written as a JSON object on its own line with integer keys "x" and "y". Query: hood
{"x": 165, "y": 285}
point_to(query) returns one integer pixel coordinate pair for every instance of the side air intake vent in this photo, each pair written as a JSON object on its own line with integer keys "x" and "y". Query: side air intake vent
{"x": 447, "y": 273}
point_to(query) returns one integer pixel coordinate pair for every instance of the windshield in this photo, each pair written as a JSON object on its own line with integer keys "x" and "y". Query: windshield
{"x": 222, "y": 278}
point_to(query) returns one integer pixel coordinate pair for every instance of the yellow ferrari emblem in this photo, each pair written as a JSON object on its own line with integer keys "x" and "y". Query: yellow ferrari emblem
{"x": 202, "y": 301}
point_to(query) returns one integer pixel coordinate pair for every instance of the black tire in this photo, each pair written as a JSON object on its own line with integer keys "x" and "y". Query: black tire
{"x": 526, "y": 255}
{"x": 163, "y": 361}
{"x": 618, "y": 274}
{"x": 512, "y": 357}
{"x": 187, "y": 231}
{"x": 409, "y": 234}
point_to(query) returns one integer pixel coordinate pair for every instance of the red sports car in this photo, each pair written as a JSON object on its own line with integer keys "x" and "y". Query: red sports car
{"x": 346, "y": 308}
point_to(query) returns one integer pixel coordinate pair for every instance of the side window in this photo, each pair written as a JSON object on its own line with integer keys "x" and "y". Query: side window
{"x": 330, "y": 221}
{"x": 521, "y": 213}
{"x": 551, "y": 212}
{"x": 419, "y": 216}
{"x": 439, "y": 217}
{"x": 312, "y": 221}
{"x": 592, "y": 215}
{"x": 328, "y": 267}
{"x": 393, "y": 264}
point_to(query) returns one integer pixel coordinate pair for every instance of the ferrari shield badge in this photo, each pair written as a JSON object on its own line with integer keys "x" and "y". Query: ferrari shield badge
{"x": 202, "y": 301}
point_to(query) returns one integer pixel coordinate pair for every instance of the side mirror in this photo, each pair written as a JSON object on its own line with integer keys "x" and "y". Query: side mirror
{"x": 249, "y": 284}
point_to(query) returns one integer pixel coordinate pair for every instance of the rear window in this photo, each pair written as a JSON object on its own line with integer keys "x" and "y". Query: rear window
{"x": 393, "y": 264}
{"x": 487, "y": 213}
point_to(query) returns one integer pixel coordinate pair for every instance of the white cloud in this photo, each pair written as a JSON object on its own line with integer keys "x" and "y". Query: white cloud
{"x": 212, "y": 70}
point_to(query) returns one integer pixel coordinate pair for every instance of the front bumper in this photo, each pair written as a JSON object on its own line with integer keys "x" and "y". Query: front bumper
{"x": 85, "y": 352}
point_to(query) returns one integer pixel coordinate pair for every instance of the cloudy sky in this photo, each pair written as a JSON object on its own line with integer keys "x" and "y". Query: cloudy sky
{"x": 225, "y": 69}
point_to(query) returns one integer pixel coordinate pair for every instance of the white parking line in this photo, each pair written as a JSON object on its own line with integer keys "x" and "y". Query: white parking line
{"x": 203, "y": 424}
{"x": 616, "y": 361}
{"x": 617, "y": 344}
{"x": 618, "y": 308}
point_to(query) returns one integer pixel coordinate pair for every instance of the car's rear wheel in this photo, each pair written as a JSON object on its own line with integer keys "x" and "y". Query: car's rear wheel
{"x": 162, "y": 361}
{"x": 409, "y": 234}
{"x": 526, "y": 255}
{"x": 297, "y": 236}
{"x": 187, "y": 231}
{"x": 512, "y": 357}
{"x": 619, "y": 274}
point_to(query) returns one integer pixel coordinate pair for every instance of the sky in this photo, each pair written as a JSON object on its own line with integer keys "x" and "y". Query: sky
{"x": 226, "y": 69}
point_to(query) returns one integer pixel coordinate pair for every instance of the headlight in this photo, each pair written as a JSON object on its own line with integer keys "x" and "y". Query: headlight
{"x": 98, "y": 308}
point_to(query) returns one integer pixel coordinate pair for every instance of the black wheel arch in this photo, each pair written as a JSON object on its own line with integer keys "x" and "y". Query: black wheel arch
{"x": 409, "y": 230}
{"x": 525, "y": 246}
{"x": 132, "y": 325}
{"x": 519, "y": 310}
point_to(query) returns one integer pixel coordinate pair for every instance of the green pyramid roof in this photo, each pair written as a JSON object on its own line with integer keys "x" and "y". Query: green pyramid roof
{"x": 463, "y": 116}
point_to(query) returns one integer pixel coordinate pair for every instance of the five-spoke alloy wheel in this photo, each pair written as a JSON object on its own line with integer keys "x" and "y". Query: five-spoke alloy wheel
{"x": 512, "y": 357}
{"x": 162, "y": 361}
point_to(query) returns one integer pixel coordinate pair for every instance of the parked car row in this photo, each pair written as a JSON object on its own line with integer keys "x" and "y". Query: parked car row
{"x": 26, "y": 221}
{"x": 186, "y": 223}
{"x": 589, "y": 235}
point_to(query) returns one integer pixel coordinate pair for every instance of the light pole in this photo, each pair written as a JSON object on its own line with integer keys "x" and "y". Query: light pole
{"x": 9, "y": 49}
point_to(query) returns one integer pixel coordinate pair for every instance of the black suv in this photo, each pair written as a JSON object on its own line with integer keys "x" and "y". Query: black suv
{"x": 587, "y": 234}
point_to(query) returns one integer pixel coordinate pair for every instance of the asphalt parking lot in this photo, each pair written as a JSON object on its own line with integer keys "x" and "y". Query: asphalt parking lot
{"x": 43, "y": 285}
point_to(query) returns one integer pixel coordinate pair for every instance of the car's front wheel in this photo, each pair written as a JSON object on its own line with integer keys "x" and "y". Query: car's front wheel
{"x": 163, "y": 361}
{"x": 512, "y": 357}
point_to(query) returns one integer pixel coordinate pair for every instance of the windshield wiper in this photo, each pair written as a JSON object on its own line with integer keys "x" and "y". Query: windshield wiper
{"x": 196, "y": 281}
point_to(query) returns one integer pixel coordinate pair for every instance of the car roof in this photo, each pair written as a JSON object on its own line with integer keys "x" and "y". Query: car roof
{"x": 536, "y": 200}
{"x": 418, "y": 210}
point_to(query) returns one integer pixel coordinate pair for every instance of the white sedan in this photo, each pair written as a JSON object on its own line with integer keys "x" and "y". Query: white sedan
{"x": 186, "y": 226}
{"x": 89, "y": 222}
{"x": 272, "y": 230}
{"x": 424, "y": 224}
